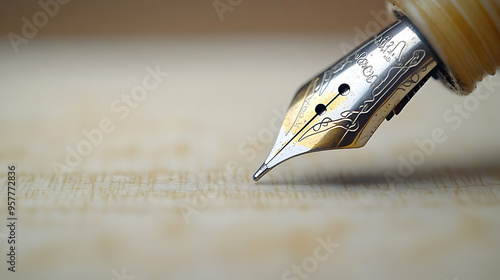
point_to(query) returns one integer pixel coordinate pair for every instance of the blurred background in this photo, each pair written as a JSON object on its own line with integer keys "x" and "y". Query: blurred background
{"x": 135, "y": 127}
{"x": 89, "y": 53}
{"x": 169, "y": 18}
{"x": 64, "y": 68}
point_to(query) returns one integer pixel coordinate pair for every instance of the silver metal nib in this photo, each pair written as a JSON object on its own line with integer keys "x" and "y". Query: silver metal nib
{"x": 343, "y": 106}
{"x": 261, "y": 172}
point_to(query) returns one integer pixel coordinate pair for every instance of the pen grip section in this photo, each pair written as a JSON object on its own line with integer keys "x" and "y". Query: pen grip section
{"x": 465, "y": 34}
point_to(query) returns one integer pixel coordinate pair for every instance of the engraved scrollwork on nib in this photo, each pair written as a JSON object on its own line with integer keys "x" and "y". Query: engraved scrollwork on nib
{"x": 319, "y": 86}
{"x": 349, "y": 120}
{"x": 343, "y": 106}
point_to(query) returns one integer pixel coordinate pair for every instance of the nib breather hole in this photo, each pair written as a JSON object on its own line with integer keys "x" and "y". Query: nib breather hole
{"x": 344, "y": 89}
{"x": 320, "y": 109}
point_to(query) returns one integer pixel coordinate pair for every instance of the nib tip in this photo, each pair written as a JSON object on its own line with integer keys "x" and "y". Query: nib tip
{"x": 261, "y": 172}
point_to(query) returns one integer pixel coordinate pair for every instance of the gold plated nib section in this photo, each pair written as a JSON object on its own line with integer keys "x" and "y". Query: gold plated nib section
{"x": 301, "y": 131}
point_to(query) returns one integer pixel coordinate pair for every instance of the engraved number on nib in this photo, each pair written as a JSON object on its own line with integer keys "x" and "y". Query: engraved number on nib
{"x": 389, "y": 48}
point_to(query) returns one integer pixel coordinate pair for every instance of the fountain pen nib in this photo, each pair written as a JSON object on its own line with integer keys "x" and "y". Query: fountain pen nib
{"x": 344, "y": 105}
{"x": 307, "y": 119}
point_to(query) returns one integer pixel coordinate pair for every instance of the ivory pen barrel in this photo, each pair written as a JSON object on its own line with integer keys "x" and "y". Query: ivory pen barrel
{"x": 465, "y": 34}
